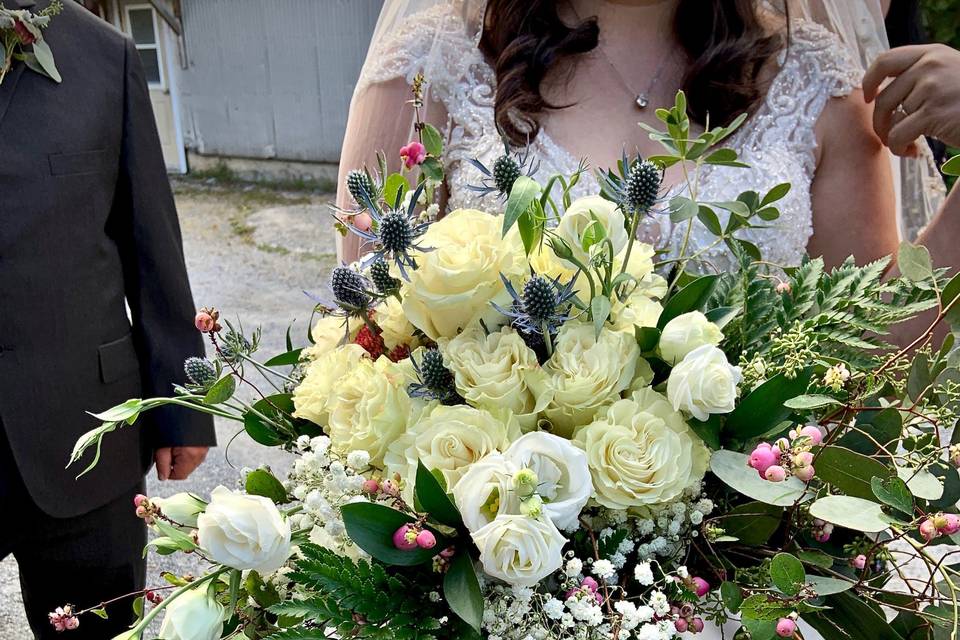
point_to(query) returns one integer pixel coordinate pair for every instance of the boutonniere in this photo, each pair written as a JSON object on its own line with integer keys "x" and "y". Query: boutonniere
{"x": 21, "y": 38}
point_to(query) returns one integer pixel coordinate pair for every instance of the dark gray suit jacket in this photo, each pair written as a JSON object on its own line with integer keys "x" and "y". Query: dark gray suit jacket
{"x": 87, "y": 222}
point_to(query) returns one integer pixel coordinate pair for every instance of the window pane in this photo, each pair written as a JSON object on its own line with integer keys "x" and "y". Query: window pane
{"x": 141, "y": 26}
{"x": 151, "y": 65}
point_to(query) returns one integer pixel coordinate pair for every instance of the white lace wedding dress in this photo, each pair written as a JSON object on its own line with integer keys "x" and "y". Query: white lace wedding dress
{"x": 778, "y": 141}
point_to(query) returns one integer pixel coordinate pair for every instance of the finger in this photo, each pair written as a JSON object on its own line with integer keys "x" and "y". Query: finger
{"x": 905, "y": 132}
{"x": 186, "y": 460}
{"x": 890, "y": 99}
{"x": 164, "y": 458}
{"x": 890, "y": 63}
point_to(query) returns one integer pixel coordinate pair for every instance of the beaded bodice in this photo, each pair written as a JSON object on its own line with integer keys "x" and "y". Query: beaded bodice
{"x": 778, "y": 141}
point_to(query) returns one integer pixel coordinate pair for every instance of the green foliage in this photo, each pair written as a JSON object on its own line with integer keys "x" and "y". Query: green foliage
{"x": 359, "y": 599}
{"x": 942, "y": 20}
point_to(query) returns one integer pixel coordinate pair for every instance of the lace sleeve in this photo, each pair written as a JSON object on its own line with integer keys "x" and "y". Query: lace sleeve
{"x": 822, "y": 58}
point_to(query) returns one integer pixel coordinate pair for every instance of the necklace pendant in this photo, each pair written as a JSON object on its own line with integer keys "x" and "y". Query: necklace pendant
{"x": 642, "y": 102}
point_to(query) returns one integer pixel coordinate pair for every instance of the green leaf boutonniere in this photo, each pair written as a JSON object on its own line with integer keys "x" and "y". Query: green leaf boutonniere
{"x": 21, "y": 39}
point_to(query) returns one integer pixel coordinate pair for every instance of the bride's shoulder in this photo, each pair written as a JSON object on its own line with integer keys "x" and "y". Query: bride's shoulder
{"x": 820, "y": 57}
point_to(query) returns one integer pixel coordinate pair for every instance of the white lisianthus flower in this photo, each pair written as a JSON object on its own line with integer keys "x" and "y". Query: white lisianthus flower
{"x": 181, "y": 508}
{"x": 328, "y": 333}
{"x": 579, "y": 218}
{"x": 193, "y": 616}
{"x": 370, "y": 408}
{"x": 519, "y": 550}
{"x": 311, "y": 398}
{"x": 641, "y": 452}
{"x": 486, "y": 491}
{"x": 497, "y": 372}
{"x": 685, "y": 333}
{"x": 244, "y": 532}
{"x": 454, "y": 284}
{"x": 587, "y": 373}
{"x": 563, "y": 477}
{"x": 449, "y": 439}
{"x": 704, "y": 383}
{"x": 395, "y": 328}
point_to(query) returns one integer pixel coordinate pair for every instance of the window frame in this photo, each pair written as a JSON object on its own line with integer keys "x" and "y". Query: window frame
{"x": 156, "y": 46}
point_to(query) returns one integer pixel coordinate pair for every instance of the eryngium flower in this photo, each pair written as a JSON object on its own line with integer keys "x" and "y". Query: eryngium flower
{"x": 436, "y": 381}
{"x": 361, "y": 186}
{"x": 544, "y": 305}
{"x": 379, "y": 273}
{"x": 506, "y": 169}
{"x": 635, "y": 186}
{"x": 349, "y": 289}
{"x": 200, "y": 371}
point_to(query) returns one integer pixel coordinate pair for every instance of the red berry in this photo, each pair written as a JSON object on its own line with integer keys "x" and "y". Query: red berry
{"x": 371, "y": 342}
{"x": 399, "y": 352}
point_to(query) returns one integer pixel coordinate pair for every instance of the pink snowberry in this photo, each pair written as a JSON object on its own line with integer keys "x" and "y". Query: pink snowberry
{"x": 701, "y": 586}
{"x": 697, "y": 625}
{"x": 860, "y": 561}
{"x": 204, "y": 322}
{"x": 448, "y": 553}
{"x": 363, "y": 221}
{"x": 139, "y": 499}
{"x": 805, "y": 474}
{"x": 783, "y": 287}
{"x": 63, "y": 619}
{"x": 763, "y": 457}
{"x": 814, "y": 433}
{"x": 413, "y": 154}
{"x": 775, "y": 473}
{"x": 786, "y": 627}
{"x": 371, "y": 486}
{"x": 928, "y": 530}
{"x": 951, "y": 524}
{"x": 390, "y": 488}
{"x": 803, "y": 459}
{"x": 426, "y": 540}
{"x": 680, "y": 625}
{"x": 403, "y": 540}
{"x": 590, "y": 584}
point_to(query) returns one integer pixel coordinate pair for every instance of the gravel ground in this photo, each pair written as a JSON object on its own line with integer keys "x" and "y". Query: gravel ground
{"x": 251, "y": 252}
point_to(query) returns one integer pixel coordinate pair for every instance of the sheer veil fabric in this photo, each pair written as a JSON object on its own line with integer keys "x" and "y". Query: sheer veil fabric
{"x": 439, "y": 38}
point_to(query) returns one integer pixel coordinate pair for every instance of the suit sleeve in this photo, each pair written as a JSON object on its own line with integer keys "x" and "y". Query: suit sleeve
{"x": 144, "y": 218}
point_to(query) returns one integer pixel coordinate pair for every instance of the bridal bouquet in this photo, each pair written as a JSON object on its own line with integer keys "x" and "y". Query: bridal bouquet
{"x": 525, "y": 424}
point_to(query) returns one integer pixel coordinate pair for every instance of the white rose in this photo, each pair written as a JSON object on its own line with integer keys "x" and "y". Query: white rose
{"x": 587, "y": 373}
{"x": 244, "y": 532}
{"x": 579, "y": 218}
{"x": 370, "y": 408}
{"x": 641, "y": 452}
{"x": 181, "y": 508}
{"x": 497, "y": 372}
{"x": 520, "y": 550}
{"x": 328, "y": 333}
{"x": 193, "y": 616}
{"x": 311, "y": 398}
{"x": 562, "y": 473}
{"x": 449, "y": 439}
{"x": 486, "y": 491}
{"x": 454, "y": 284}
{"x": 395, "y": 329}
{"x": 704, "y": 383}
{"x": 685, "y": 333}
{"x": 638, "y": 310}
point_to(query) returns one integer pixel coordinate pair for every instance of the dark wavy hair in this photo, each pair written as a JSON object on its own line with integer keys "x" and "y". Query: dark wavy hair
{"x": 725, "y": 41}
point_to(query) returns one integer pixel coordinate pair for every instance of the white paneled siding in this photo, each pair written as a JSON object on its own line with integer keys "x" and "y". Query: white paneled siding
{"x": 272, "y": 78}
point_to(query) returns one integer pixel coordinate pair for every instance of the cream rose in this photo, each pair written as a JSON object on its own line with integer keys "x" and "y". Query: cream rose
{"x": 455, "y": 283}
{"x": 370, "y": 408}
{"x": 244, "y": 532}
{"x": 311, "y": 398}
{"x": 395, "y": 329}
{"x": 587, "y": 373}
{"x": 563, "y": 477}
{"x": 194, "y": 615}
{"x": 520, "y": 550}
{"x": 579, "y": 217}
{"x": 328, "y": 333}
{"x": 704, "y": 383}
{"x": 641, "y": 452}
{"x": 497, "y": 372}
{"x": 486, "y": 491}
{"x": 638, "y": 310}
{"x": 449, "y": 439}
{"x": 685, "y": 333}
{"x": 181, "y": 508}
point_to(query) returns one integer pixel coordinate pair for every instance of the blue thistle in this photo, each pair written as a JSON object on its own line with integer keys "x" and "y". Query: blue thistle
{"x": 635, "y": 186}
{"x": 506, "y": 169}
{"x": 543, "y": 306}
{"x": 435, "y": 381}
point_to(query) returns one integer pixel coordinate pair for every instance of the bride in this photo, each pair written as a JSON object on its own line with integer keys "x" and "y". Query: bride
{"x": 545, "y": 73}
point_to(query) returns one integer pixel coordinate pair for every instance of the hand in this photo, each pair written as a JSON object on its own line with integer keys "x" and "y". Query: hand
{"x": 922, "y": 100}
{"x": 177, "y": 463}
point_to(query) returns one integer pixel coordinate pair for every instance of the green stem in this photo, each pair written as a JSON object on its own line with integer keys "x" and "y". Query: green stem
{"x": 147, "y": 619}
{"x": 157, "y": 402}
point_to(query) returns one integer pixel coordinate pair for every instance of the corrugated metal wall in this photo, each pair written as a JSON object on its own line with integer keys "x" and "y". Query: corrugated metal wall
{"x": 272, "y": 78}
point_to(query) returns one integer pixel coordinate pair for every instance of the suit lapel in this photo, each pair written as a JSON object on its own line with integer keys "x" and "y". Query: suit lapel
{"x": 9, "y": 87}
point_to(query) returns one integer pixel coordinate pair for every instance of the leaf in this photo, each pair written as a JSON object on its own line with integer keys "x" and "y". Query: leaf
{"x": 461, "y": 589}
{"x": 921, "y": 483}
{"x": 530, "y": 231}
{"x": 763, "y": 408}
{"x": 893, "y": 492}
{"x": 777, "y": 193}
{"x": 850, "y": 512}
{"x": 883, "y": 426}
{"x": 100, "y": 612}
{"x": 45, "y": 58}
{"x": 431, "y": 168}
{"x": 287, "y": 358}
{"x": 816, "y": 558}
{"x": 707, "y": 430}
{"x": 708, "y": 218}
{"x": 762, "y": 606}
{"x": 914, "y": 262}
{"x": 731, "y": 467}
{"x": 787, "y": 574}
{"x": 721, "y": 316}
{"x": 732, "y": 596}
{"x": 919, "y": 378}
{"x": 812, "y": 401}
{"x": 682, "y": 209}
{"x": 432, "y": 140}
{"x": 952, "y": 166}
{"x": 372, "y": 527}
{"x": 525, "y": 190}
{"x": 826, "y": 586}
{"x": 950, "y": 292}
{"x": 276, "y": 407}
{"x": 691, "y": 298}
{"x": 221, "y": 391}
{"x": 261, "y": 482}
{"x": 434, "y": 500}
{"x": 752, "y": 523}
{"x": 600, "y": 310}
{"x": 394, "y": 188}
{"x": 121, "y": 412}
{"x": 724, "y": 157}
{"x": 647, "y": 338}
{"x": 849, "y": 471}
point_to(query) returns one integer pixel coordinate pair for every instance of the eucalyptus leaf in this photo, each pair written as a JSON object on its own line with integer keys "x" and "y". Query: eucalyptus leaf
{"x": 849, "y": 471}
{"x": 221, "y": 391}
{"x": 432, "y": 140}
{"x": 45, "y": 58}
{"x": 893, "y": 492}
{"x": 852, "y": 513}
{"x": 787, "y": 574}
{"x": 812, "y": 401}
{"x": 731, "y": 468}
{"x": 914, "y": 262}
{"x": 827, "y": 586}
{"x": 921, "y": 483}
{"x": 682, "y": 209}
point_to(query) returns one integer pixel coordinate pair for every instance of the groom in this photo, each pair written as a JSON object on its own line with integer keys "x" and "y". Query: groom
{"x": 88, "y": 229}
